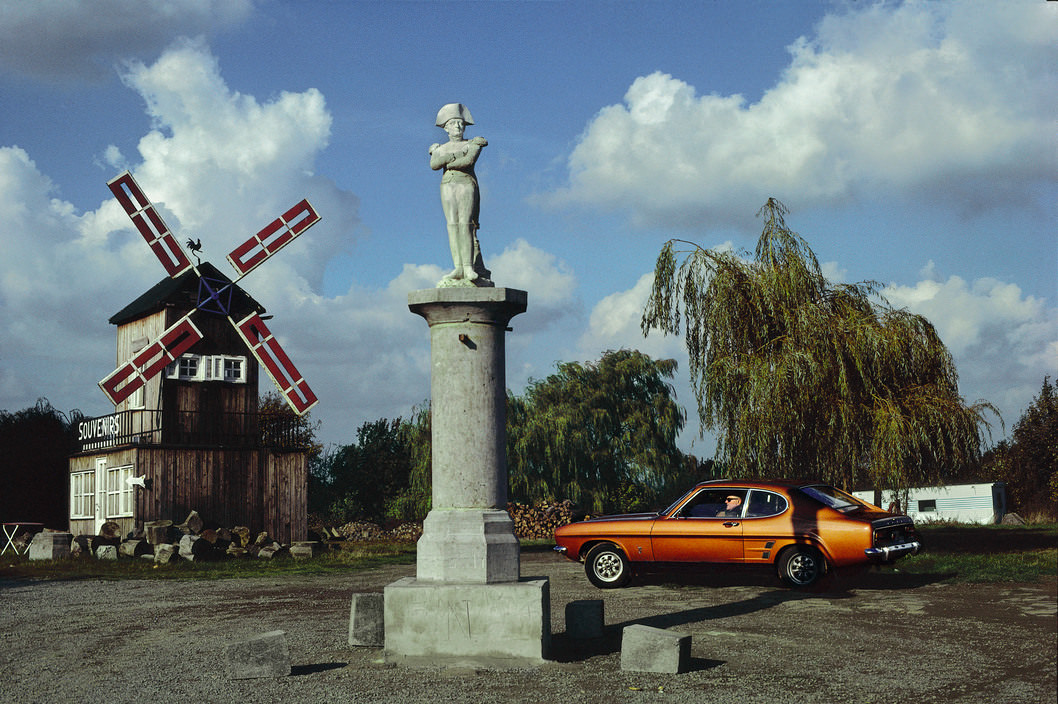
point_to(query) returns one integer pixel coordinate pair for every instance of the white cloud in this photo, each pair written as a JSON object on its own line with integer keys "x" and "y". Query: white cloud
{"x": 614, "y": 324}
{"x": 951, "y": 98}
{"x": 219, "y": 165}
{"x": 77, "y": 39}
{"x": 1003, "y": 341}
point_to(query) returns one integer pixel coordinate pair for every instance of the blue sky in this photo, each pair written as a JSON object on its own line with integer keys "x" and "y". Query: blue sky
{"x": 914, "y": 144}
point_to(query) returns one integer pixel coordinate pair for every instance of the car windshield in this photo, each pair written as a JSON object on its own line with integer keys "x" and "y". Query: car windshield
{"x": 833, "y": 497}
{"x": 677, "y": 502}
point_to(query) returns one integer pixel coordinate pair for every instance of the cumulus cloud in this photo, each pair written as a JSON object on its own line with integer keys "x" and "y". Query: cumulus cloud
{"x": 951, "y": 98}
{"x": 1003, "y": 341}
{"x": 219, "y": 165}
{"x": 78, "y": 39}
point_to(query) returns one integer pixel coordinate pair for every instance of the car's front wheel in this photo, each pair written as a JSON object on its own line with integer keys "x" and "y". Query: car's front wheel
{"x": 801, "y": 566}
{"x": 607, "y": 567}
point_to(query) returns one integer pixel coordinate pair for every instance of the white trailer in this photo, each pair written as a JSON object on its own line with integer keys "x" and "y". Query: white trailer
{"x": 962, "y": 503}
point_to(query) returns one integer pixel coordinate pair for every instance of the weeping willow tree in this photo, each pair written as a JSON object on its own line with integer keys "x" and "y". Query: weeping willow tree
{"x": 602, "y": 434}
{"x": 801, "y": 378}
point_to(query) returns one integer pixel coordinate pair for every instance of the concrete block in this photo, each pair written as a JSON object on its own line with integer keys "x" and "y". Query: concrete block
{"x": 50, "y": 546}
{"x": 647, "y": 649}
{"x": 305, "y": 550}
{"x": 265, "y": 655}
{"x": 584, "y": 619}
{"x": 367, "y": 620}
{"x": 471, "y": 625}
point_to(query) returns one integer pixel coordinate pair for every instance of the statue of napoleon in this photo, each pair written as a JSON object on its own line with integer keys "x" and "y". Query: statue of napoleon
{"x": 460, "y": 198}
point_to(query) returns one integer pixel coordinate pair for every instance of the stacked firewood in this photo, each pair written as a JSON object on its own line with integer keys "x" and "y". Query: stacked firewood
{"x": 536, "y": 522}
{"x": 540, "y": 521}
{"x": 164, "y": 542}
{"x": 365, "y": 531}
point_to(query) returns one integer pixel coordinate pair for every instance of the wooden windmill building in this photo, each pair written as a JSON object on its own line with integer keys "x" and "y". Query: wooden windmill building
{"x": 186, "y": 433}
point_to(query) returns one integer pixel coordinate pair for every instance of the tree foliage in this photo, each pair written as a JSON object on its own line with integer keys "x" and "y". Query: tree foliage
{"x": 35, "y": 444}
{"x": 600, "y": 434}
{"x": 272, "y": 406}
{"x": 1028, "y": 463}
{"x": 354, "y": 482}
{"x": 807, "y": 379}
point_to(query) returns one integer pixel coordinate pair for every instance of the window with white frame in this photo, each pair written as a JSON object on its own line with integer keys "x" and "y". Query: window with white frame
{"x": 229, "y": 369}
{"x": 119, "y": 492}
{"x": 193, "y": 367}
{"x": 82, "y": 494}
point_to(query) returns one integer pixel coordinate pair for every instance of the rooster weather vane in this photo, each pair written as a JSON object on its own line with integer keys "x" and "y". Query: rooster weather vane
{"x": 214, "y": 296}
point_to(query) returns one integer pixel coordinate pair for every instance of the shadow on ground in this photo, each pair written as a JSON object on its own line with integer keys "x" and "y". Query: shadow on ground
{"x": 836, "y": 583}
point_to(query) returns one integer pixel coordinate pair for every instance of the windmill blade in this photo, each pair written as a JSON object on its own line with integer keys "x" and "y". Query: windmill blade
{"x": 150, "y": 224}
{"x": 265, "y": 347}
{"x": 273, "y": 237}
{"x": 148, "y": 362}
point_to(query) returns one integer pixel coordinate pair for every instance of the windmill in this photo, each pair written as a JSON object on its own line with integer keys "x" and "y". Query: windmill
{"x": 214, "y": 296}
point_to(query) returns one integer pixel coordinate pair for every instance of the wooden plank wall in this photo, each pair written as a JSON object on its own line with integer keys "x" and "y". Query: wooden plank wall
{"x": 262, "y": 490}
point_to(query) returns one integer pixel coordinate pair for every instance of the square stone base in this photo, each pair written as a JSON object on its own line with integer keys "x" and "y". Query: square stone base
{"x": 468, "y": 625}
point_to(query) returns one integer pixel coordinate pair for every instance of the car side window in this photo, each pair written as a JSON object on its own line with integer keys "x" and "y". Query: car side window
{"x": 762, "y": 504}
{"x": 714, "y": 503}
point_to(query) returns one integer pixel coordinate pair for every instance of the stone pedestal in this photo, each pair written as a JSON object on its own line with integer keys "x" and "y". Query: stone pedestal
{"x": 468, "y": 625}
{"x": 468, "y": 603}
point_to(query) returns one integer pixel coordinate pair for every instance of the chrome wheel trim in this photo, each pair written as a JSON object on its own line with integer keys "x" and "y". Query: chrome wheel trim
{"x": 802, "y": 568}
{"x": 608, "y": 566}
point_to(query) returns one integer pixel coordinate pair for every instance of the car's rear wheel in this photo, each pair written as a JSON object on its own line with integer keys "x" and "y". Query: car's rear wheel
{"x": 801, "y": 566}
{"x": 607, "y": 567}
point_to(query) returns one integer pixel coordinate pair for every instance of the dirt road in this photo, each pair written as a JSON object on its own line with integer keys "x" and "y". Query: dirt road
{"x": 876, "y": 638}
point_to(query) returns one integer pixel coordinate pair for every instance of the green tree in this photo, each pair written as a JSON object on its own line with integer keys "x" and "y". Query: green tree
{"x": 1028, "y": 463}
{"x": 413, "y": 501}
{"x": 598, "y": 434}
{"x": 361, "y": 480}
{"x": 801, "y": 378}
{"x": 35, "y": 444}
{"x": 279, "y": 424}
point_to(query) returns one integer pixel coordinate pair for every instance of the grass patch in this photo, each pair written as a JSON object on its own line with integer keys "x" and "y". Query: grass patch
{"x": 974, "y": 554}
{"x": 351, "y": 556}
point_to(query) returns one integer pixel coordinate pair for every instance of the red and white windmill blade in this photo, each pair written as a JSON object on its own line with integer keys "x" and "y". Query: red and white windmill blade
{"x": 183, "y": 334}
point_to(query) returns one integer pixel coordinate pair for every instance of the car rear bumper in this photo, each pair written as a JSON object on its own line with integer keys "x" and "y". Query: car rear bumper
{"x": 892, "y": 552}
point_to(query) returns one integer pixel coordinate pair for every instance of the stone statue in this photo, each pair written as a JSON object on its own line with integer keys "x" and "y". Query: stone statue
{"x": 460, "y": 198}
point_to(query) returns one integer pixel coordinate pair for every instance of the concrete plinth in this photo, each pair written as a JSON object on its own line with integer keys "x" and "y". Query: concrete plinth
{"x": 472, "y": 625}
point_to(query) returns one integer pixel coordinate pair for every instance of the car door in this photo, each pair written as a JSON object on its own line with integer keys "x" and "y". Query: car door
{"x": 766, "y": 526}
{"x": 703, "y": 529}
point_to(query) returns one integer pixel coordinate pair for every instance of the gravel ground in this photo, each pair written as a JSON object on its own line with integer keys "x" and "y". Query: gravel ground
{"x": 878, "y": 637}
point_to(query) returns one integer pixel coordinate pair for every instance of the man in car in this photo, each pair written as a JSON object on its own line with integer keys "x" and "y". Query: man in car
{"x": 732, "y": 507}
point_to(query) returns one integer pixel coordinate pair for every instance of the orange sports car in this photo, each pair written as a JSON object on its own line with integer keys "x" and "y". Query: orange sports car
{"x": 803, "y": 529}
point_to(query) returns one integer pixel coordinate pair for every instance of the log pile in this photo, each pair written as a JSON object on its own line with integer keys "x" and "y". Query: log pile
{"x": 540, "y": 521}
{"x": 164, "y": 542}
{"x": 530, "y": 523}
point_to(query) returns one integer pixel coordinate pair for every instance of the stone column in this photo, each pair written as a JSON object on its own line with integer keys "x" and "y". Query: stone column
{"x": 468, "y": 537}
{"x": 468, "y": 604}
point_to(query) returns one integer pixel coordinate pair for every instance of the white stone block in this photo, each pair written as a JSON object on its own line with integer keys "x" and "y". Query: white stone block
{"x": 50, "y": 546}
{"x": 648, "y": 649}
